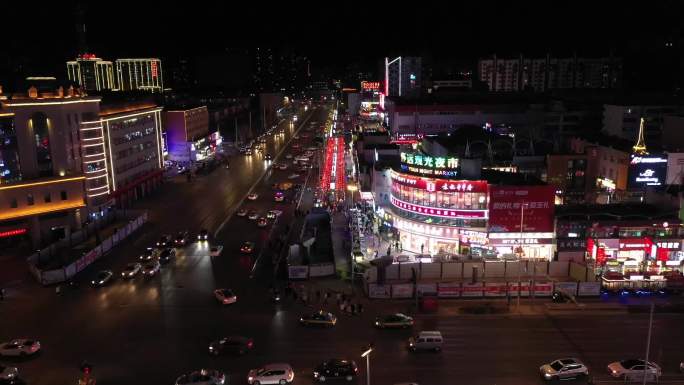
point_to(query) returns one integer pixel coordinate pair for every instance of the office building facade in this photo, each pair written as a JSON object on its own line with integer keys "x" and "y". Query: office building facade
{"x": 91, "y": 73}
{"x": 139, "y": 75}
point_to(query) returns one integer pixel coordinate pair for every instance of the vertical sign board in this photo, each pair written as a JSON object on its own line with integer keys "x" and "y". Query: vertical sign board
{"x": 449, "y": 289}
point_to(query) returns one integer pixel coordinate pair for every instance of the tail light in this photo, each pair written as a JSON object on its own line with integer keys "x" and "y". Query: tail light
{"x": 250, "y": 344}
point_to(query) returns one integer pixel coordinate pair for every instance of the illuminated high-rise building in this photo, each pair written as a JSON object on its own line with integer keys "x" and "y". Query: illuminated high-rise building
{"x": 139, "y": 75}
{"x": 91, "y": 73}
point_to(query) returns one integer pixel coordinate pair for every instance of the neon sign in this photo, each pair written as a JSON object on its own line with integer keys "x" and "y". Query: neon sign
{"x": 428, "y": 165}
{"x": 370, "y": 86}
{"x": 12, "y": 233}
{"x": 444, "y": 185}
{"x": 438, "y": 212}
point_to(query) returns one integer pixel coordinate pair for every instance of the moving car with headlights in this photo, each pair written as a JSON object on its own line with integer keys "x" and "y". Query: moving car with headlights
{"x": 272, "y": 214}
{"x": 279, "y": 196}
{"x": 241, "y": 213}
{"x": 166, "y": 255}
{"x": 148, "y": 255}
{"x": 288, "y": 156}
{"x": 19, "y": 348}
{"x": 262, "y": 222}
{"x": 8, "y": 374}
{"x": 268, "y": 157}
{"x": 203, "y": 235}
{"x": 231, "y": 345}
{"x": 282, "y": 166}
{"x": 633, "y": 368}
{"x": 427, "y": 340}
{"x": 253, "y": 196}
{"x": 131, "y": 270}
{"x": 253, "y": 215}
{"x": 164, "y": 241}
{"x": 202, "y": 377}
{"x": 215, "y": 251}
{"x": 181, "y": 239}
{"x": 248, "y": 151}
{"x": 335, "y": 369}
{"x": 319, "y": 318}
{"x": 271, "y": 374}
{"x": 397, "y": 320}
{"x": 247, "y": 247}
{"x": 563, "y": 368}
{"x": 225, "y": 296}
{"x": 102, "y": 278}
{"x": 151, "y": 269}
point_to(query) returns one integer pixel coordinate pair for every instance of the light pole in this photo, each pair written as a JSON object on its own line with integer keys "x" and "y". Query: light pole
{"x": 648, "y": 343}
{"x": 522, "y": 222}
{"x": 367, "y": 355}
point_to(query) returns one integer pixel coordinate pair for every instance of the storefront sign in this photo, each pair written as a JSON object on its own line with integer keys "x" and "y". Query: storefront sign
{"x": 472, "y": 289}
{"x": 524, "y": 241}
{"x": 379, "y": 291}
{"x": 12, "y": 233}
{"x": 647, "y": 170}
{"x": 449, "y": 289}
{"x": 669, "y": 245}
{"x": 444, "y": 232}
{"x": 673, "y": 263}
{"x": 403, "y": 290}
{"x": 420, "y": 164}
{"x": 370, "y": 86}
{"x": 433, "y": 184}
{"x": 534, "y": 203}
{"x": 589, "y": 289}
{"x": 443, "y": 213}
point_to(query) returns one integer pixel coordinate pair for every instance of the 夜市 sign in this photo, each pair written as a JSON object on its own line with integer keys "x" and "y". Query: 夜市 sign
{"x": 428, "y": 165}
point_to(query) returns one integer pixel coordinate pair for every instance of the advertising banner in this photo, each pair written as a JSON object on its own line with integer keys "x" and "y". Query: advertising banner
{"x": 537, "y": 208}
{"x": 495, "y": 289}
{"x": 426, "y": 288}
{"x": 449, "y": 289}
{"x": 379, "y": 291}
{"x": 472, "y": 289}
{"x": 589, "y": 289}
{"x": 647, "y": 171}
{"x": 402, "y": 290}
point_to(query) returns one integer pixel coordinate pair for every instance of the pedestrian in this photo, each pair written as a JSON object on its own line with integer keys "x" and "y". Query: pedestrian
{"x": 325, "y": 298}
{"x": 342, "y": 305}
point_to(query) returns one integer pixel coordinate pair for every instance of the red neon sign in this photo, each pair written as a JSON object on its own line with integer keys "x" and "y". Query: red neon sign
{"x": 12, "y": 233}
{"x": 154, "y": 69}
{"x": 439, "y": 212}
{"x": 370, "y": 86}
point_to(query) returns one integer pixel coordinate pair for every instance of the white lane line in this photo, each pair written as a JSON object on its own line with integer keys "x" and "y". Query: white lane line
{"x": 230, "y": 215}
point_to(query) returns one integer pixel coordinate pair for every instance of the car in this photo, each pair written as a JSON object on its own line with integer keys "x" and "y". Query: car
{"x": 8, "y": 374}
{"x": 279, "y": 196}
{"x": 20, "y": 347}
{"x": 166, "y": 255}
{"x": 288, "y": 156}
{"x": 633, "y": 367}
{"x": 272, "y": 214}
{"x": 271, "y": 374}
{"x": 563, "y": 368}
{"x": 151, "y": 268}
{"x": 268, "y": 157}
{"x": 131, "y": 270}
{"x": 262, "y": 222}
{"x": 225, "y": 296}
{"x": 148, "y": 255}
{"x": 253, "y": 215}
{"x": 560, "y": 297}
{"x": 231, "y": 345}
{"x": 293, "y": 176}
{"x": 296, "y": 137}
{"x": 203, "y": 235}
{"x": 215, "y": 251}
{"x": 248, "y": 151}
{"x": 164, "y": 241}
{"x": 247, "y": 247}
{"x": 181, "y": 239}
{"x": 319, "y": 318}
{"x": 102, "y": 278}
{"x": 335, "y": 369}
{"x": 253, "y": 196}
{"x": 426, "y": 340}
{"x": 202, "y": 377}
{"x": 241, "y": 213}
{"x": 397, "y": 320}
{"x": 282, "y": 166}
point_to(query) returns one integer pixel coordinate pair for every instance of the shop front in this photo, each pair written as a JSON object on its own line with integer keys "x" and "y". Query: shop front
{"x": 523, "y": 246}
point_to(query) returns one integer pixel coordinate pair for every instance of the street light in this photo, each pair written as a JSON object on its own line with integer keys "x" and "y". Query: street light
{"x": 367, "y": 355}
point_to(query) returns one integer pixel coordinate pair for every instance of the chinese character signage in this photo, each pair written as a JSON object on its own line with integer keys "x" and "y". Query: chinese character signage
{"x": 646, "y": 171}
{"x": 534, "y": 203}
{"x": 426, "y": 165}
{"x": 370, "y": 86}
{"x": 430, "y": 185}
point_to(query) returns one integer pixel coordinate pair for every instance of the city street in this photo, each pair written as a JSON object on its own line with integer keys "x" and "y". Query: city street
{"x": 151, "y": 330}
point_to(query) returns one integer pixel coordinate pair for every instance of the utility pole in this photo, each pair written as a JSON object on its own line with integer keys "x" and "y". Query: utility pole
{"x": 648, "y": 344}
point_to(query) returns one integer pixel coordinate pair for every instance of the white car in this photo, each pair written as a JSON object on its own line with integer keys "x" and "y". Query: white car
{"x": 253, "y": 196}
{"x": 225, "y": 296}
{"x": 271, "y": 374}
{"x": 20, "y": 347}
{"x": 563, "y": 368}
{"x": 151, "y": 269}
{"x": 288, "y": 156}
{"x": 131, "y": 270}
{"x": 215, "y": 251}
{"x": 633, "y": 368}
{"x": 8, "y": 373}
{"x": 202, "y": 377}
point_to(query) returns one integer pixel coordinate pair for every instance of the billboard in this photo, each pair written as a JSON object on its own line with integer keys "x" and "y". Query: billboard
{"x": 647, "y": 170}
{"x": 505, "y": 208}
{"x": 425, "y": 165}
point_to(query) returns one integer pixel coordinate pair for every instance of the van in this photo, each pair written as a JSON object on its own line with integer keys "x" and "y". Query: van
{"x": 428, "y": 340}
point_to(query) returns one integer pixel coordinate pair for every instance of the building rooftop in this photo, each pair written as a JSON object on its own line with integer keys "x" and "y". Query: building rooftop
{"x": 119, "y": 108}
{"x": 617, "y": 212}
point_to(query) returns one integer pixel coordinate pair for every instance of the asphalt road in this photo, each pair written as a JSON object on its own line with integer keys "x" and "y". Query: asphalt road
{"x": 151, "y": 331}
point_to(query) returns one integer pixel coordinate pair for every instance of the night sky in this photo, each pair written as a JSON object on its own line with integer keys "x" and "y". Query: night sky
{"x": 41, "y": 38}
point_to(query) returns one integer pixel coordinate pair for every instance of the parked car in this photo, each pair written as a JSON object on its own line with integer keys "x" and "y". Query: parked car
{"x": 225, "y": 296}
{"x": 271, "y": 374}
{"x": 397, "y": 320}
{"x": 19, "y": 348}
{"x": 202, "y": 377}
{"x": 563, "y": 368}
{"x": 633, "y": 367}
{"x": 231, "y": 345}
{"x": 427, "y": 340}
{"x": 319, "y": 318}
{"x": 131, "y": 270}
{"x": 102, "y": 278}
{"x": 336, "y": 369}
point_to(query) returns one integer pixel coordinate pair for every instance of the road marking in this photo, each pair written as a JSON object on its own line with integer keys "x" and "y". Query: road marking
{"x": 230, "y": 214}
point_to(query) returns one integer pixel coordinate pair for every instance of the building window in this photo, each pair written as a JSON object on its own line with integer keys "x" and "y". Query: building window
{"x": 63, "y": 195}
{"x": 29, "y": 199}
{"x": 48, "y": 198}
{"x": 10, "y": 170}
{"x": 41, "y": 132}
{"x": 14, "y": 204}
